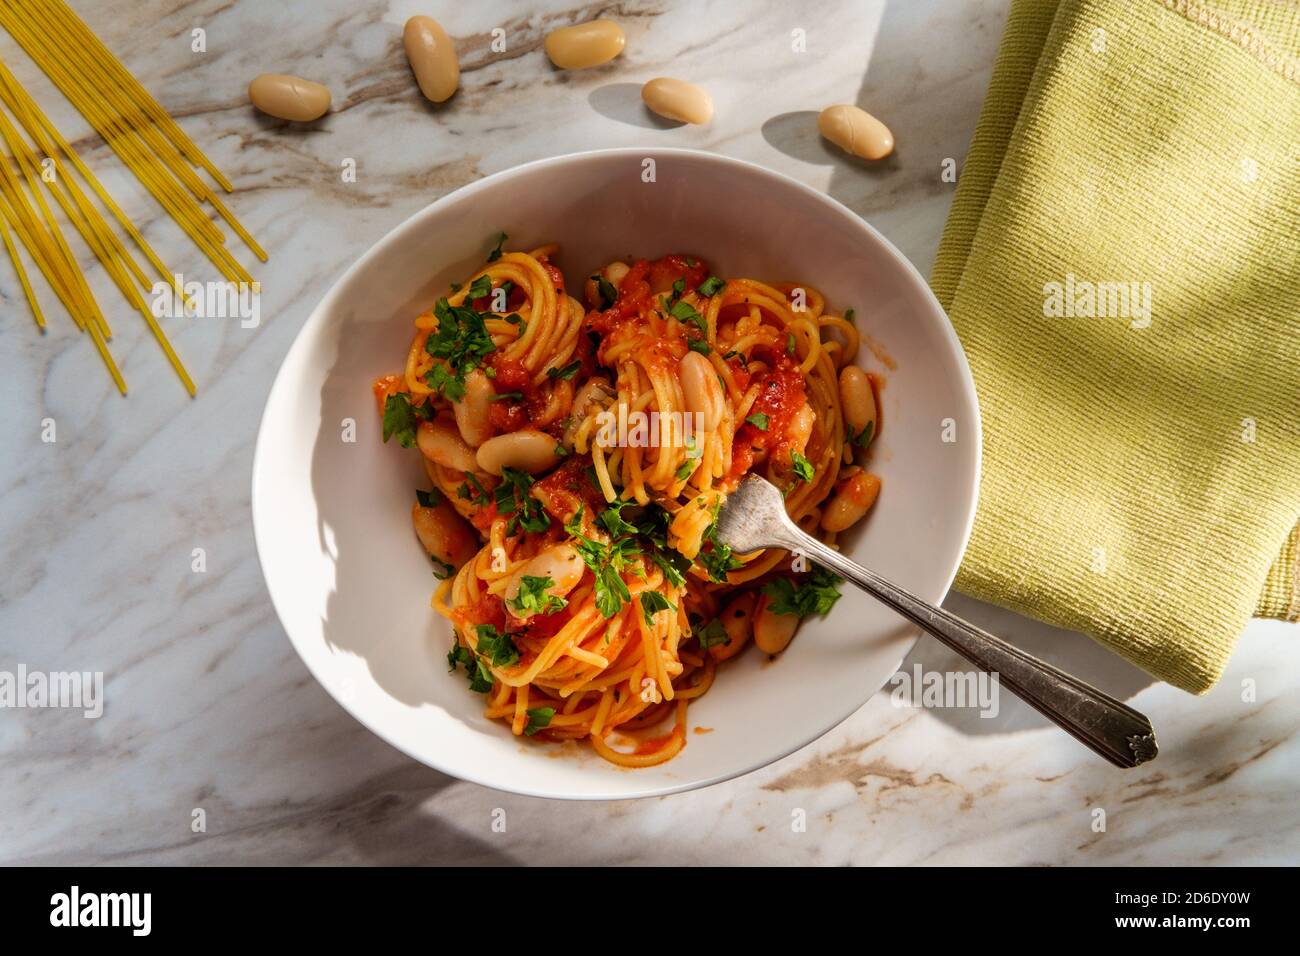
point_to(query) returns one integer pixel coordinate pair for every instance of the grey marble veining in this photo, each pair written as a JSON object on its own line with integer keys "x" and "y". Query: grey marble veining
{"x": 207, "y": 705}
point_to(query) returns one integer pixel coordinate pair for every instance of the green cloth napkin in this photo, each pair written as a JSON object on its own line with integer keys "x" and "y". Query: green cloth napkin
{"x": 1141, "y": 474}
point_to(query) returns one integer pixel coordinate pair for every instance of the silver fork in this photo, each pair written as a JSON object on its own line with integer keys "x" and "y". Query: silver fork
{"x": 754, "y": 517}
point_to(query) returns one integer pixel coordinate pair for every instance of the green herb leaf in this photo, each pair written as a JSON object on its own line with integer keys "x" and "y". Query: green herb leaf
{"x": 759, "y": 421}
{"x": 863, "y": 438}
{"x": 565, "y": 372}
{"x": 612, "y": 520}
{"x": 495, "y": 646}
{"x": 502, "y": 396}
{"x": 687, "y": 468}
{"x": 534, "y": 597}
{"x": 605, "y": 562}
{"x": 462, "y": 340}
{"x": 802, "y": 466}
{"x": 711, "y": 286}
{"x": 673, "y": 564}
{"x": 441, "y": 569}
{"x": 712, "y": 634}
{"x": 401, "y": 419}
{"x": 480, "y": 678}
{"x": 478, "y": 495}
{"x": 652, "y": 602}
{"x": 790, "y": 345}
{"x": 698, "y": 345}
{"x": 512, "y": 498}
{"x": 428, "y": 499}
{"x": 850, "y": 315}
{"x": 606, "y": 290}
{"x": 816, "y": 595}
{"x": 539, "y": 718}
{"x": 479, "y": 288}
{"x": 684, "y": 312}
{"x": 495, "y": 254}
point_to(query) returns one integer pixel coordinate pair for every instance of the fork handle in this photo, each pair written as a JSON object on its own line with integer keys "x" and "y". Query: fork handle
{"x": 1112, "y": 729}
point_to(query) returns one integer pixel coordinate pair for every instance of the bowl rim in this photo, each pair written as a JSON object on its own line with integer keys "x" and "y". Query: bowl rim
{"x": 396, "y": 234}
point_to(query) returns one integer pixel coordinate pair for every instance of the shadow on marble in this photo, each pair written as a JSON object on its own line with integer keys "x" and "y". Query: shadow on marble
{"x": 622, "y": 102}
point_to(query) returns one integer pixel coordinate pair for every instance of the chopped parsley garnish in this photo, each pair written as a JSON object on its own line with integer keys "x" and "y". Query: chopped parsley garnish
{"x": 653, "y": 528}
{"x": 479, "y": 288}
{"x": 502, "y": 396}
{"x": 687, "y": 468}
{"x": 672, "y": 563}
{"x": 685, "y": 312}
{"x": 480, "y": 678}
{"x": 534, "y": 597}
{"x": 718, "y": 560}
{"x": 428, "y": 499}
{"x": 462, "y": 340}
{"x": 863, "y": 438}
{"x": 850, "y": 315}
{"x": 539, "y": 718}
{"x": 495, "y": 646}
{"x": 605, "y": 562}
{"x": 712, "y": 635}
{"x": 612, "y": 520}
{"x": 512, "y": 498}
{"x": 711, "y": 286}
{"x": 561, "y": 451}
{"x": 698, "y": 345}
{"x": 789, "y": 343}
{"x": 478, "y": 495}
{"x": 495, "y": 254}
{"x": 802, "y": 466}
{"x": 759, "y": 421}
{"x": 652, "y": 602}
{"x": 679, "y": 289}
{"x": 441, "y": 569}
{"x": 565, "y": 372}
{"x": 817, "y": 595}
{"x": 401, "y": 419}
{"x": 606, "y": 290}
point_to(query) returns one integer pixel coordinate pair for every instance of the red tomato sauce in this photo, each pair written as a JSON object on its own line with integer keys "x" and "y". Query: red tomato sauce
{"x": 781, "y": 394}
{"x": 569, "y": 488}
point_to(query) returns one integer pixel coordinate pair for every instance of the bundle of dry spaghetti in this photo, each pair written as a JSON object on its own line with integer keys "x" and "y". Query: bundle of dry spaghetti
{"x": 38, "y": 160}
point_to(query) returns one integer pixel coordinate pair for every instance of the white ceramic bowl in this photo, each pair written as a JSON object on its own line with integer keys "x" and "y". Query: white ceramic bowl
{"x": 332, "y": 518}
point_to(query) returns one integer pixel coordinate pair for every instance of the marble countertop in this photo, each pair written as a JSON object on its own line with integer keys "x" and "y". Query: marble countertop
{"x": 207, "y": 705}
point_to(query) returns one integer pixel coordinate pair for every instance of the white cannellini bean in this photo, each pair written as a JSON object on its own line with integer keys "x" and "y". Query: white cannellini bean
{"x": 289, "y": 97}
{"x": 440, "y": 442}
{"x": 612, "y": 273}
{"x": 857, "y": 399}
{"x": 701, "y": 390}
{"x": 773, "y": 632}
{"x": 853, "y": 498}
{"x": 678, "y": 100}
{"x": 474, "y": 410}
{"x": 856, "y": 131}
{"x": 585, "y": 44}
{"x": 525, "y": 450}
{"x": 561, "y": 563}
{"x": 738, "y": 621}
{"x": 444, "y": 533}
{"x": 433, "y": 58}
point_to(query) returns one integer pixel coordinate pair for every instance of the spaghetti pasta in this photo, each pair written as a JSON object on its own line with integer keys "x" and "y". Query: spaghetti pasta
{"x": 145, "y": 139}
{"x": 589, "y": 596}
